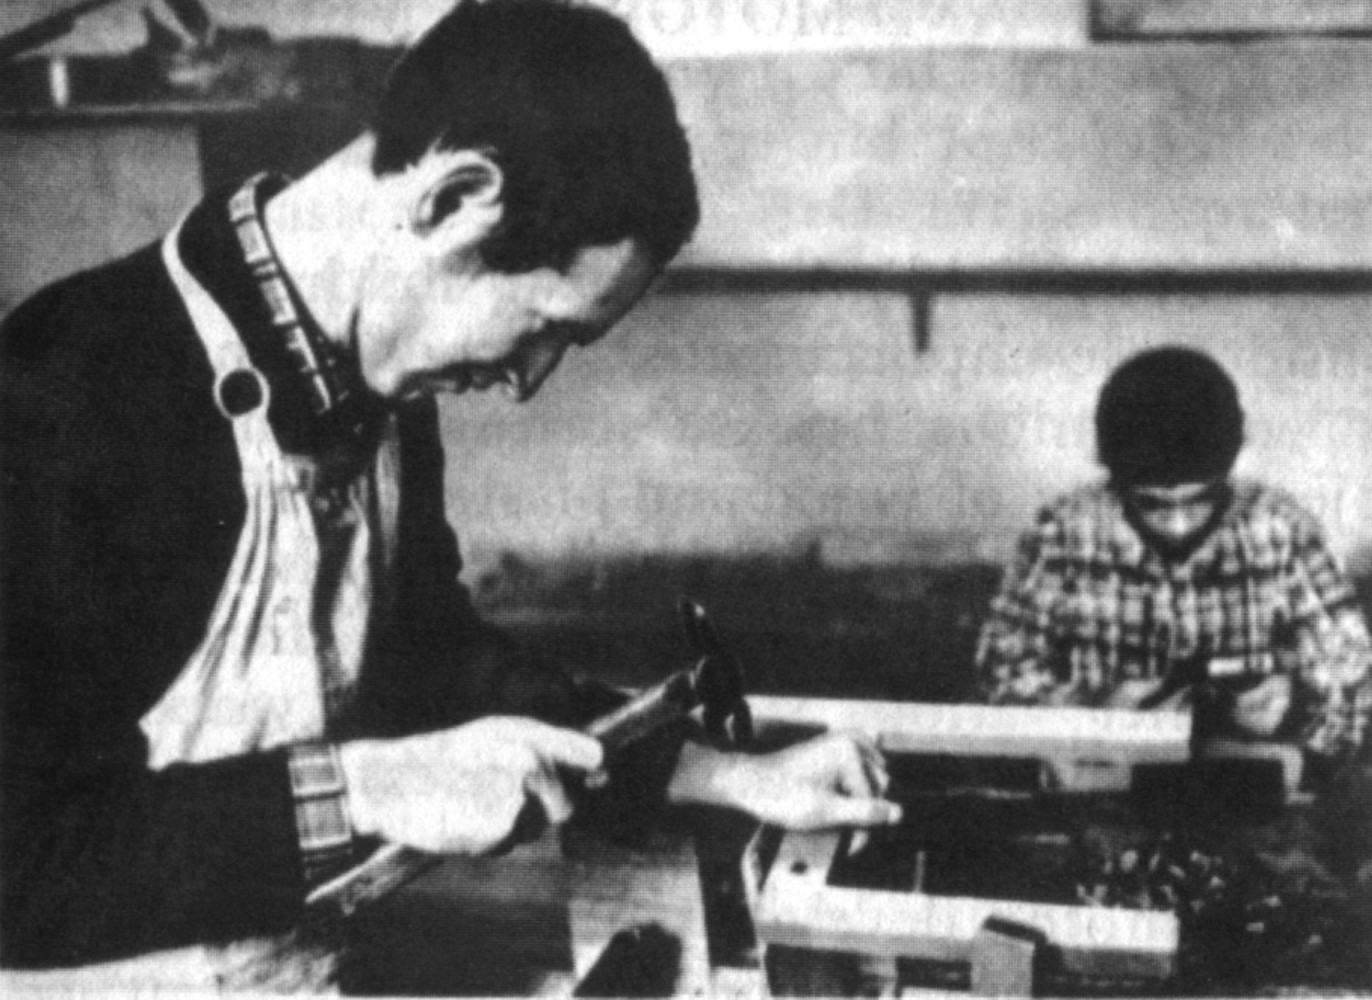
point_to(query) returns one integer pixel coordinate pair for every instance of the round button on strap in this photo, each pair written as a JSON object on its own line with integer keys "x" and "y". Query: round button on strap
{"x": 240, "y": 391}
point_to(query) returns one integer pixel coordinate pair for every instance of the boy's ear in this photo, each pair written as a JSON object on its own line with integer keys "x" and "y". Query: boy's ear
{"x": 465, "y": 179}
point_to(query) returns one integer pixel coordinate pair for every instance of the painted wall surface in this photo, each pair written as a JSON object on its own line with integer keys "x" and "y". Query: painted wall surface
{"x": 74, "y": 198}
{"x": 771, "y": 422}
{"x": 669, "y": 27}
{"x": 1172, "y": 157}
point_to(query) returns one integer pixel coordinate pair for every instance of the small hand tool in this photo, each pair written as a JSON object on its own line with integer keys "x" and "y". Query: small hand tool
{"x": 714, "y": 681}
{"x": 47, "y": 29}
{"x": 1192, "y": 671}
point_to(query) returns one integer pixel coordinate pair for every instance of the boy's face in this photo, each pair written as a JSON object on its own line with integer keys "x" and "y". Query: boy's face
{"x": 1176, "y": 518}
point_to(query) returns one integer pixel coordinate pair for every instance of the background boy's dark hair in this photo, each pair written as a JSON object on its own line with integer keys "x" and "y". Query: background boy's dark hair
{"x": 569, "y": 105}
{"x": 1166, "y": 416}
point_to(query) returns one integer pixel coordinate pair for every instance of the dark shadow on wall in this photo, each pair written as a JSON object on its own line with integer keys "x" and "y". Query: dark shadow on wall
{"x": 799, "y": 626}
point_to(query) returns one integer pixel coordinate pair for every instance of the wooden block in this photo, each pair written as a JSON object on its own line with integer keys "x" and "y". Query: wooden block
{"x": 1003, "y": 958}
{"x": 797, "y": 908}
{"x": 1086, "y": 750}
{"x": 877, "y": 975}
{"x": 1284, "y": 756}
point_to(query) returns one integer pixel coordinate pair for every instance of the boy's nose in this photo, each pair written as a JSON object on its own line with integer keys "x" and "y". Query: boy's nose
{"x": 1180, "y": 523}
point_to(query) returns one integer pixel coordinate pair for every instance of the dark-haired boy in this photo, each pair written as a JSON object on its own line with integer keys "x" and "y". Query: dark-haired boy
{"x": 235, "y": 650}
{"x": 1175, "y": 581}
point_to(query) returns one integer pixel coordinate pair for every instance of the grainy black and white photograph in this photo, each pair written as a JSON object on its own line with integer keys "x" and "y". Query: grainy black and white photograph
{"x": 704, "y": 498}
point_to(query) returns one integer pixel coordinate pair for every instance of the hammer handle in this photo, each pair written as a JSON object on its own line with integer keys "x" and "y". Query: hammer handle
{"x": 392, "y": 865}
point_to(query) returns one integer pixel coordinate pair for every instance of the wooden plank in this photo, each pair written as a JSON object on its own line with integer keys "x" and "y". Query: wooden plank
{"x": 1084, "y": 750}
{"x": 797, "y": 908}
{"x": 1003, "y": 962}
{"x": 1116, "y": 19}
{"x": 185, "y": 970}
{"x": 805, "y": 857}
{"x": 989, "y": 730}
{"x": 1174, "y": 158}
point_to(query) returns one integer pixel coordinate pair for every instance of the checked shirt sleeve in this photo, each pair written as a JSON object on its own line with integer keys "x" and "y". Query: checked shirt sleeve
{"x": 1330, "y": 645}
{"x": 1014, "y": 650}
{"x": 322, "y": 820}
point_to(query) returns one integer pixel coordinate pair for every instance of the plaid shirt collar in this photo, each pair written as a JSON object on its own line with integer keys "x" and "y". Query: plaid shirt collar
{"x": 318, "y": 398}
{"x": 329, "y": 378}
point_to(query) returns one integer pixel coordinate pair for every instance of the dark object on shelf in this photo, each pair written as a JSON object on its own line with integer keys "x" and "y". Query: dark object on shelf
{"x": 197, "y": 60}
{"x": 47, "y": 29}
{"x": 191, "y": 62}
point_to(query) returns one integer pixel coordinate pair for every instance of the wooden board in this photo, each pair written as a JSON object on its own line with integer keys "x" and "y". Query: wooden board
{"x": 796, "y": 907}
{"x": 187, "y": 971}
{"x": 1084, "y": 749}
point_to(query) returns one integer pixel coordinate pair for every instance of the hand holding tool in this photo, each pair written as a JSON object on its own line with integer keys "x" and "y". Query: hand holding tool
{"x": 714, "y": 681}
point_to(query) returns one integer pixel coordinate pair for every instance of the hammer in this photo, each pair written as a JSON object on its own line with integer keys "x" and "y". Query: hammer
{"x": 714, "y": 681}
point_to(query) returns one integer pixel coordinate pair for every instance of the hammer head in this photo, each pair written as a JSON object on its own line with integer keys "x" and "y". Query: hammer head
{"x": 718, "y": 678}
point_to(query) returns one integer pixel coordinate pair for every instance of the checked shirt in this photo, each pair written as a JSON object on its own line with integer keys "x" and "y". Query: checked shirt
{"x": 1087, "y": 605}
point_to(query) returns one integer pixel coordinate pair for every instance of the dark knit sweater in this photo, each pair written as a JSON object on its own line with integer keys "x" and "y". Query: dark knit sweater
{"x": 122, "y": 506}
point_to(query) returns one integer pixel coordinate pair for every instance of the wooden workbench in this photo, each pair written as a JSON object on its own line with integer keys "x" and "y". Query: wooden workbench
{"x": 536, "y": 921}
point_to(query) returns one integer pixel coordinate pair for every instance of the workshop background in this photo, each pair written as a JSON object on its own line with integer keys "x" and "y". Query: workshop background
{"x": 930, "y": 230}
